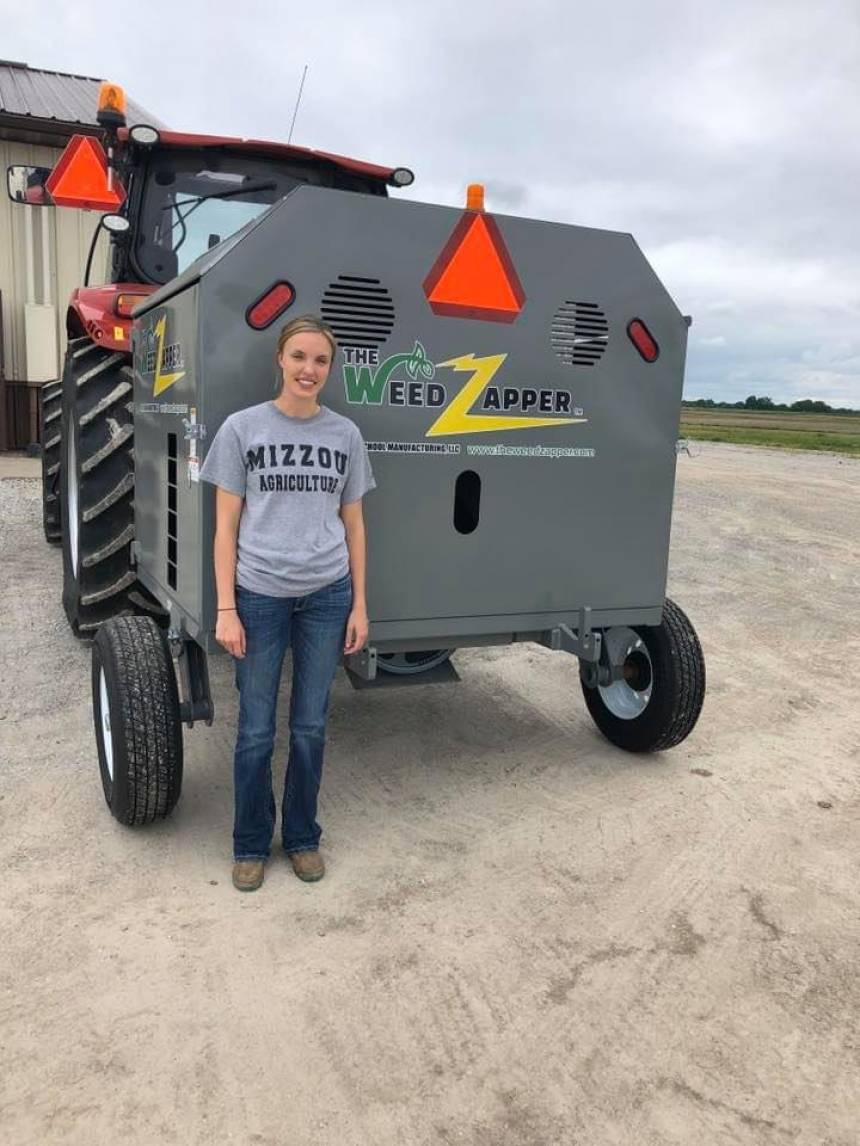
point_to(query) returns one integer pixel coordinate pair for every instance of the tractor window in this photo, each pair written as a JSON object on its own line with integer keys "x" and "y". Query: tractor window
{"x": 191, "y": 201}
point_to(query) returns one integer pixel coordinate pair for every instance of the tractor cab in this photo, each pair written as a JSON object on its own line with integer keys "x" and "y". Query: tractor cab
{"x": 186, "y": 194}
{"x": 181, "y": 194}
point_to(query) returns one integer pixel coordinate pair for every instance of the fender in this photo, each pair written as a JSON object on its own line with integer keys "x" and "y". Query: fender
{"x": 93, "y": 312}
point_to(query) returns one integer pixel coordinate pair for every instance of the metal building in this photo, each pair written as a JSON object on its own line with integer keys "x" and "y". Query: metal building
{"x": 42, "y": 251}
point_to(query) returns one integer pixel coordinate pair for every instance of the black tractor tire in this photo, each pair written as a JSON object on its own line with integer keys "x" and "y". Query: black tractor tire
{"x": 97, "y": 485}
{"x": 137, "y": 721}
{"x": 50, "y": 418}
{"x": 676, "y": 675}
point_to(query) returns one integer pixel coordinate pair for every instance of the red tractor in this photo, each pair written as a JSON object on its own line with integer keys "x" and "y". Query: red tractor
{"x": 171, "y": 197}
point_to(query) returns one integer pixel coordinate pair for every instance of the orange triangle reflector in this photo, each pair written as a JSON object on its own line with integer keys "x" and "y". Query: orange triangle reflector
{"x": 80, "y": 178}
{"x": 474, "y": 276}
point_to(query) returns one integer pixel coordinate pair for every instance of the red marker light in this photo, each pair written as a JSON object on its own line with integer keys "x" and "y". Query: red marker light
{"x": 269, "y": 306}
{"x": 640, "y": 336}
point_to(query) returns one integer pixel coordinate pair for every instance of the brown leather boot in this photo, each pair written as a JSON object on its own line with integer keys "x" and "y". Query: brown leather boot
{"x": 248, "y": 874}
{"x": 308, "y": 866}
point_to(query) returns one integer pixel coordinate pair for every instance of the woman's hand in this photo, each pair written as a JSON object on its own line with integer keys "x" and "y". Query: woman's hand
{"x": 230, "y": 634}
{"x": 357, "y": 625}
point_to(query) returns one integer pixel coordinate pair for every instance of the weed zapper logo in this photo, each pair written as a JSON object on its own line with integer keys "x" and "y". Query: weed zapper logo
{"x": 165, "y": 363}
{"x": 478, "y": 407}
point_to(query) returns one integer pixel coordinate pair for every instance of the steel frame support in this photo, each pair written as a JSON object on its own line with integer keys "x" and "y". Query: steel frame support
{"x": 192, "y": 670}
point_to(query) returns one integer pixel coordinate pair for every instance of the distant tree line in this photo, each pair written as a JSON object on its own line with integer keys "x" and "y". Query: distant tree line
{"x": 753, "y": 402}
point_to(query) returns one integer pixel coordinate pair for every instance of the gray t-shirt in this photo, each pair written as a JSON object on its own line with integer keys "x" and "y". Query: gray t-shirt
{"x": 294, "y": 474}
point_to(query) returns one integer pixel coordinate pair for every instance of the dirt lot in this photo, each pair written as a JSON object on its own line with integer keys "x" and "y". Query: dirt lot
{"x": 526, "y": 937}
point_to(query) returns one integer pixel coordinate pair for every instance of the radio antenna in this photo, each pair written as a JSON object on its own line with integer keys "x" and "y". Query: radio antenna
{"x": 298, "y": 101}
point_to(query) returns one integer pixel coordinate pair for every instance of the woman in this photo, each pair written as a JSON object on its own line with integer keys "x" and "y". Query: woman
{"x": 290, "y": 573}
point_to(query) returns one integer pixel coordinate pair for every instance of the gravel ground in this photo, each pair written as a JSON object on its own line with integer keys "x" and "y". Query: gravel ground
{"x": 525, "y": 936}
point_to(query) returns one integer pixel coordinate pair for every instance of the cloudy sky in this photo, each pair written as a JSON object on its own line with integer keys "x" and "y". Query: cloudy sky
{"x": 725, "y": 137}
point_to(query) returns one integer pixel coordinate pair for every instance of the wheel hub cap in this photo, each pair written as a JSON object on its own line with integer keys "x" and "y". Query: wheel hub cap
{"x": 628, "y": 697}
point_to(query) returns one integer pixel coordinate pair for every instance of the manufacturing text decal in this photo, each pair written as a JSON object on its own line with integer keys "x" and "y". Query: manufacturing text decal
{"x": 482, "y": 404}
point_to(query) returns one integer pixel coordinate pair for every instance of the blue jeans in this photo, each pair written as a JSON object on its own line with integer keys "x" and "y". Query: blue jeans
{"x": 315, "y": 627}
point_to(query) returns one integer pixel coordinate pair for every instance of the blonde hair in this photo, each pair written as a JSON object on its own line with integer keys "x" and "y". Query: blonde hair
{"x": 306, "y": 323}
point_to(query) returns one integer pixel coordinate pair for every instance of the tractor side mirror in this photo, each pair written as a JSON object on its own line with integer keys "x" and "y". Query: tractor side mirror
{"x": 27, "y": 185}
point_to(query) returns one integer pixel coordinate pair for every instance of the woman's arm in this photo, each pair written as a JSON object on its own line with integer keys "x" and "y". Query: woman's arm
{"x": 357, "y": 625}
{"x": 228, "y": 628}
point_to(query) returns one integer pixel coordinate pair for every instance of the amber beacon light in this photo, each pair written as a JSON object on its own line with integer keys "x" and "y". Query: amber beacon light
{"x": 111, "y": 109}
{"x": 475, "y": 197}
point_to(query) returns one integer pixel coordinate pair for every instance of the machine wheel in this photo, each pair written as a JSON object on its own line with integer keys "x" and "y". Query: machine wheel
{"x": 50, "y": 413}
{"x": 137, "y": 720}
{"x": 408, "y": 664}
{"x": 658, "y": 701}
{"x": 96, "y": 485}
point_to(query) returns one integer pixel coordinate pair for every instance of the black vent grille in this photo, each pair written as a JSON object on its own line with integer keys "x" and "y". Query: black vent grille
{"x": 359, "y": 310}
{"x": 579, "y": 333}
{"x": 172, "y": 519}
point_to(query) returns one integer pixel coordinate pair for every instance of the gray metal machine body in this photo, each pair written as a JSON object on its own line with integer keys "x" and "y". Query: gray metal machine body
{"x": 569, "y": 514}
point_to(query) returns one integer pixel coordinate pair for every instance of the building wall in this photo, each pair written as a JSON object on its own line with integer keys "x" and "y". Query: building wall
{"x": 68, "y": 234}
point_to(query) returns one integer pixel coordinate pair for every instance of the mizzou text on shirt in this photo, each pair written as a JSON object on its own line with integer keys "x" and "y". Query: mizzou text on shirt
{"x": 294, "y": 474}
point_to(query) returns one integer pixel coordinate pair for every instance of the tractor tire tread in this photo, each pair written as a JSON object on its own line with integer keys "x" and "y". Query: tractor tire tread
{"x": 126, "y": 485}
{"x": 109, "y": 400}
{"x": 108, "y": 550}
{"x": 51, "y": 409}
{"x": 117, "y": 441}
{"x": 98, "y": 574}
{"x": 82, "y": 346}
{"x": 95, "y": 372}
{"x": 146, "y": 605}
{"x": 112, "y": 590}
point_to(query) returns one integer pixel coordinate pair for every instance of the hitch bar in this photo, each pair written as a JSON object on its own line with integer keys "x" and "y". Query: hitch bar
{"x": 583, "y": 642}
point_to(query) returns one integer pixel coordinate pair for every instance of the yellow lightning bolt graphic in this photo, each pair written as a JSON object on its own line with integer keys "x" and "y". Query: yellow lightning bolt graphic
{"x": 162, "y": 381}
{"x": 456, "y": 417}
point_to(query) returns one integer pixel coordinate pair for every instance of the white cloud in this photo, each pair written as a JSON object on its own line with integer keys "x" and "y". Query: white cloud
{"x": 701, "y": 267}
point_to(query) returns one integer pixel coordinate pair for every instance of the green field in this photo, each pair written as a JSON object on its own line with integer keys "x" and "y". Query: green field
{"x": 787, "y": 431}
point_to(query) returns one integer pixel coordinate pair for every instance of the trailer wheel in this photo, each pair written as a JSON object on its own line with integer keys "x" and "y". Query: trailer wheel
{"x": 137, "y": 720}
{"x": 50, "y": 414}
{"x": 96, "y": 485}
{"x": 409, "y": 664}
{"x": 657, "y": 703}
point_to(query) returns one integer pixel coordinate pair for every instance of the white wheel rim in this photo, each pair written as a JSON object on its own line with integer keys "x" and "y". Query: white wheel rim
{"x": 72, "y": 501}
{"x": 621, "y": 699}
{"x": 104, "y": 712}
